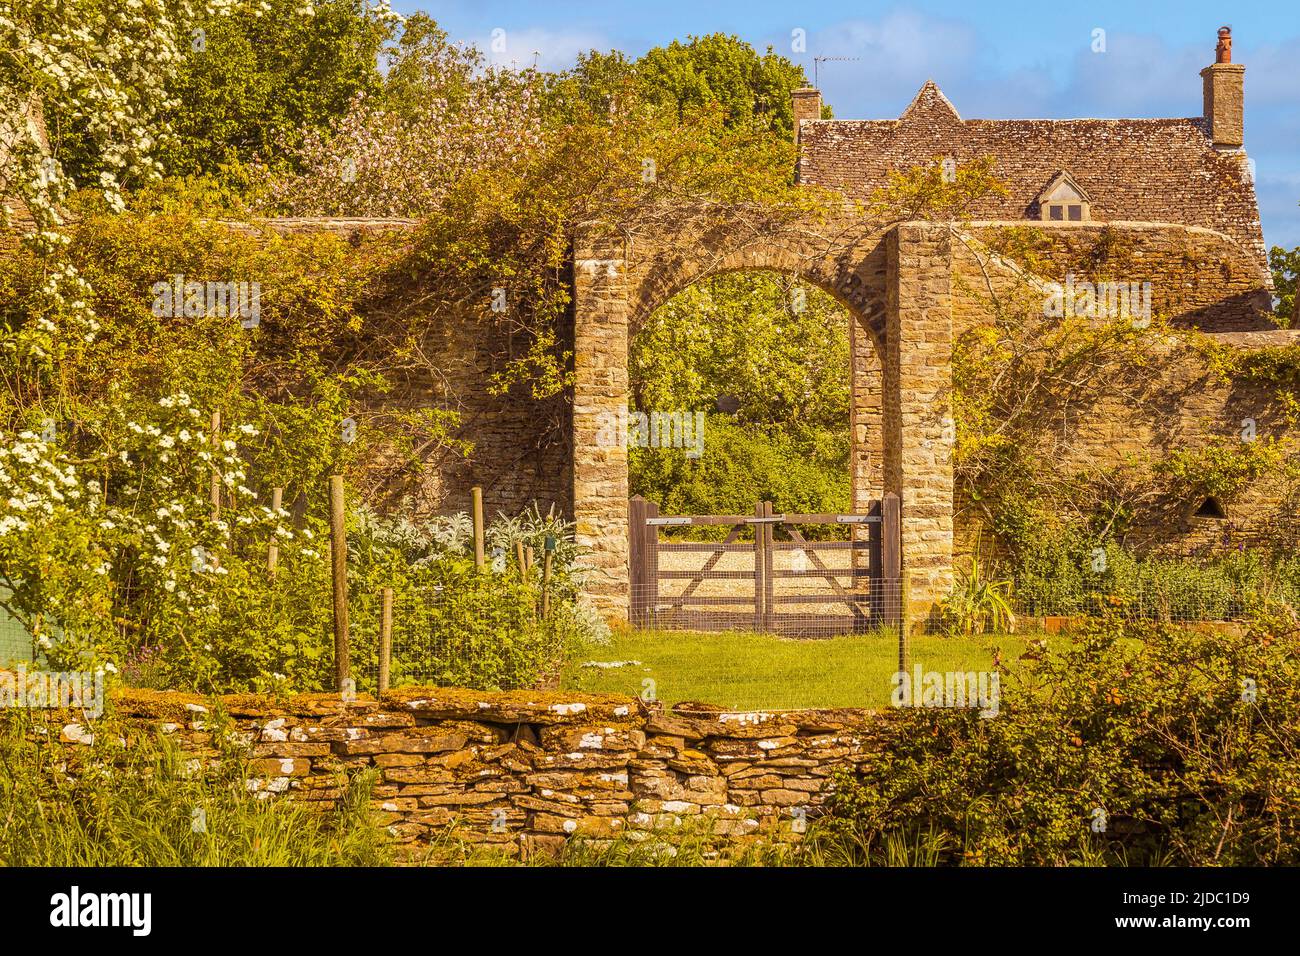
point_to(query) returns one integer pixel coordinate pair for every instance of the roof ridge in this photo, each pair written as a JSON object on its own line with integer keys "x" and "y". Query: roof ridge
{"x": 930, "y": 100}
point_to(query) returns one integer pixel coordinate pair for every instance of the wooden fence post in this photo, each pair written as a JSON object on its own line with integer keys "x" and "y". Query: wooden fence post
{"x": 636, "y": 559}
{"x": 385, "y": 639}
{"x": 891, "y": 573}
{"x": 546, "y": 583}
{"x": 273, "y": 552}
{"x": 769, "y": 580}
{"x": 480, "y": 555}
{"x": 339, "y": 556}
{"x": 760, "y": 588}
{"x": 650, "y": 585}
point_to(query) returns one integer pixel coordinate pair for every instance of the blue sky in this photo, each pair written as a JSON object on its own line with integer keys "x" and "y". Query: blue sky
{"x": 991, "y": 59}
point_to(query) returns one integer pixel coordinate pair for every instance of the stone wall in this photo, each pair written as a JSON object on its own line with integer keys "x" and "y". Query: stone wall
{"x": 522, "y": 449}
{"x": 1199, "y": 278}
{"x": 522, "y": 770}
{"x": 1173, "y": 402}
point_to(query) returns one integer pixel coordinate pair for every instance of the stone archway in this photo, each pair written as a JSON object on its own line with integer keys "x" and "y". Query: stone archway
{"x": 896, "y": 284}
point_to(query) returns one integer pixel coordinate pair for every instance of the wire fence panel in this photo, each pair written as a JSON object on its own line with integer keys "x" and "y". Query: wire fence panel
{"x": 1207, "y": 588}
{"x": 455, "y": 640}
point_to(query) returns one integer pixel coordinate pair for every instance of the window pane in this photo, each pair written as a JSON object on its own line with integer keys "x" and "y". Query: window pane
{"x": 1054, "y": 212}
{"x": 1076, "y": 214}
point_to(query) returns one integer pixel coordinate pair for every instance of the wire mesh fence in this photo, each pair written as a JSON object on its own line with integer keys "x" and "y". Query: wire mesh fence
{"x": 1205, "y": 588}
{"x": 440, "y": 637}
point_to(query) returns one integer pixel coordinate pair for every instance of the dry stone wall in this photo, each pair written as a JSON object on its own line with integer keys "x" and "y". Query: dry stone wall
{"x": 524, "y": 770}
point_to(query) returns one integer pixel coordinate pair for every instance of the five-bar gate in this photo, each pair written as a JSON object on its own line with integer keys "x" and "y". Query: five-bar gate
{"x": 765, "y": 574}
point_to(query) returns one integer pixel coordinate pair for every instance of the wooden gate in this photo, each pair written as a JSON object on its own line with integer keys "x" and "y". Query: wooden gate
{"x": 778, "y": 582}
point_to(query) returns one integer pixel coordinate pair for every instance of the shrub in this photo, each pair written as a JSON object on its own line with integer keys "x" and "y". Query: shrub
{"x": 1137, "y": 744}
{"x": 977, "y": 604}
{"x": 455, "y": 624}
{"x": 1088, "y": 577}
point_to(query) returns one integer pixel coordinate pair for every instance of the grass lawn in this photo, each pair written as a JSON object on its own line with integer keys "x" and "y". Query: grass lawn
{"x": 760, "y": 671}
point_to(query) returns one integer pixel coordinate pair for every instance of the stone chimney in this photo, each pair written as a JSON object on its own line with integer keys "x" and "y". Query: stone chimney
{"x": 1223, "y": 97}
{"x": 807, "y": 106}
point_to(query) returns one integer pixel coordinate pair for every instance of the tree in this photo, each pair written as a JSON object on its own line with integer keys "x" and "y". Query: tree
{"x": 1286, "y": 273}
{"x": 104, "y": 68}
{"x": 752, "y": 89}
{"x": 257, "y": 84}
{"x": 777, "y": 348}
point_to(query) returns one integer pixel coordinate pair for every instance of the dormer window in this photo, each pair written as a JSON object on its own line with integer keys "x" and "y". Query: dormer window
{"x": 1064, "y": 201}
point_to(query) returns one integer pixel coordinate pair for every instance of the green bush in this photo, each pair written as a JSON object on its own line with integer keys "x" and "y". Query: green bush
{"x": 457, "y": 625}
{"x": 1137, "y": 744}
{"x": 454, "y": 625}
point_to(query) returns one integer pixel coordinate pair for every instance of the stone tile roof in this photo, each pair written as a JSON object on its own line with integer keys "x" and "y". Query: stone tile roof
{"x": 1145, "y": 170}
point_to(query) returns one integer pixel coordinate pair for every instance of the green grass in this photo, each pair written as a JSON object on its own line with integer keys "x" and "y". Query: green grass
{"x": 761, "y": 671}
{"x": 113, "y": 805}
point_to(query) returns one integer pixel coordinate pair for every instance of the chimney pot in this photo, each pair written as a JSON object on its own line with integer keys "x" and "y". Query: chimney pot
{"x": 1223, "y": 50}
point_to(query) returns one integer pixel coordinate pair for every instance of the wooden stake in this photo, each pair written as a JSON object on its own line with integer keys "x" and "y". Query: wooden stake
{"x": 476, "y": 494}
{"x": 339, "y": 554}
{"x": 520, "y": 559}
{"x": 385, "y": 639}
{"x": 546, "y": 585}
{"x": 273, "y": 552}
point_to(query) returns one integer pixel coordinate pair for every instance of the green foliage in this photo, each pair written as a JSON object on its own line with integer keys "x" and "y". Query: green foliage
{"x": 458, "y": 626}
{"x": 778, "y": 351}
{"x": 742, "y": 464}
{"x": 779, "y": 348}
{"x": 1286, "y": 271}
{"x": 1223, "y": 469}
{"x": 1079, "y": 575}
{"x": 454, "y": 624}
{"x": 1177, "y": 747}
{"x": 977, "y": 603}
{"x": 501, "y": 184}
{"x": 752, "y": 90}
{"x": 925, "y": 192}
{"x": 259, "y": 80}
{"x": 134, "y": 801}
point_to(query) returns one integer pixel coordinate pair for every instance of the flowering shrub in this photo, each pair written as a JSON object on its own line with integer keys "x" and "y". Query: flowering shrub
{"x": 139, "y": 557}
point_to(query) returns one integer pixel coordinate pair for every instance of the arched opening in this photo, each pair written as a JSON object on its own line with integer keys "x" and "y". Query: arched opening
{"x": 756, "y": 369}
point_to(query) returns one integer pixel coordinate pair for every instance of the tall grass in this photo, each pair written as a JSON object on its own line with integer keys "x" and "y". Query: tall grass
{"x": 142, "y": 803}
